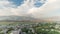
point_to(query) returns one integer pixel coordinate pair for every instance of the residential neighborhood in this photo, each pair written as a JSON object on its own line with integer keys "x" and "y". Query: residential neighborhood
{"x": 35, "y": 28}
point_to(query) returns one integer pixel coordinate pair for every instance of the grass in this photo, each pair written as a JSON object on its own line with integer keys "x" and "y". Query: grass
{"x": 14, "y": 23}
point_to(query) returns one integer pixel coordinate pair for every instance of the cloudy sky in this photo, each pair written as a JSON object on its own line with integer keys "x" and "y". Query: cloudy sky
{"x": 35, "y": 8}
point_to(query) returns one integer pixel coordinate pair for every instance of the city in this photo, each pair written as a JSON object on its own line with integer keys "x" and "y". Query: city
{"x": 36, "y": 28}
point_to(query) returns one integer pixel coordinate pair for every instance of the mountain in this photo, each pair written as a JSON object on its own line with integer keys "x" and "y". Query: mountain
{"x": 16, "y": 18}
{"x": 28, "y": 18}
{"x": 53, "y": 19}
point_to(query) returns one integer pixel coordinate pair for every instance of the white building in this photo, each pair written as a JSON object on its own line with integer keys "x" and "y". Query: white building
{"x": 14, "y": 32}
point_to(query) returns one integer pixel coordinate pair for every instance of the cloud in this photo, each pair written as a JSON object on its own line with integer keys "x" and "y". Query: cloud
{"x": 47, "y": 10}
{"x": 5, "y": 7}
{"x": 28, "y": 9}
{"x": 25, "y": 8}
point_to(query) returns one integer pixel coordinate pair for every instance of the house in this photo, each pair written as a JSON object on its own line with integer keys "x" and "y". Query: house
{"x": 14, "y": 32}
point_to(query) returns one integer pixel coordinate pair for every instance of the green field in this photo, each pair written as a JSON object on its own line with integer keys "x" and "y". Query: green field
{"x": 14, "y": 23}
{"x": 5, "y": 23}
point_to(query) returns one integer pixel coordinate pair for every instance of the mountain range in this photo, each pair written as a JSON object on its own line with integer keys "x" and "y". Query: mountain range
{"x": 28, "y": 18}
{"x": 16, "y": 18}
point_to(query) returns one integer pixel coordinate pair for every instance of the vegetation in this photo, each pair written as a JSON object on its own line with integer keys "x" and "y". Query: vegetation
{"x": 37, "y": 28}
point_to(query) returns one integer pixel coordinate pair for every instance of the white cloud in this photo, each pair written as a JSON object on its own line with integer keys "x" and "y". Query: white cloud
{"x": 28, "y": 8}
{"x": 25, "y": 8}
{"x": 6, "y": 8}
{"x": 46, "y": 10}
{"x": 5, "y": 3}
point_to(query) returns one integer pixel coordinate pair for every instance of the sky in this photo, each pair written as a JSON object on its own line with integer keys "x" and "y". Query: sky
{"x": 35, "y": 8}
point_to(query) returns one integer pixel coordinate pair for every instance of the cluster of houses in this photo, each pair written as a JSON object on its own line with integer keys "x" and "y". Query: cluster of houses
{"x": 17, "y": 29}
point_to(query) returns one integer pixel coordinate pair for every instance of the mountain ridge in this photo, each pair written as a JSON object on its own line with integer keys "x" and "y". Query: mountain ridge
{"x": 15, "y": 18}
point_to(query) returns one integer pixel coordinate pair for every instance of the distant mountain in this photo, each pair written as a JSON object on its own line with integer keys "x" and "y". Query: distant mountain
{"x": 28, "y": 18}
{"x": 53, "y": 19}
{"x": 16, "y": 18}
